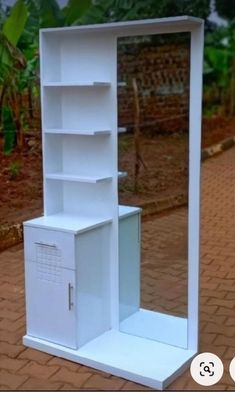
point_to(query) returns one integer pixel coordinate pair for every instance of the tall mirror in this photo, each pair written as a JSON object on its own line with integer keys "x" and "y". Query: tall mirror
{"x": 153, "y": 147}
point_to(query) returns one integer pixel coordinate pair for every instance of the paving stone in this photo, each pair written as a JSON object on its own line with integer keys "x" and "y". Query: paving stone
{"x": 34, "y": 355}
{"x": 217, "y": 329}
{"x": 10, "y": 380}
{"x": 76, "y": 379}
{"x": 132, "y": 386}
{"x": 97, "y": 382}
{"x": 11, "y": 326}
{"x": 224, "y": 340}
{"x": 59, "y": 362}
{"x": 34, "y": 369}
{"x": 10, "y": 350}
{"x": 38, "y": 384}
{"x": 11, "y": 364}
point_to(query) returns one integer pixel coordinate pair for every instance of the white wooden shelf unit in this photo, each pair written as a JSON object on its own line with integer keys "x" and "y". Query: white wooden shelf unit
{"x": 82, "y": 258}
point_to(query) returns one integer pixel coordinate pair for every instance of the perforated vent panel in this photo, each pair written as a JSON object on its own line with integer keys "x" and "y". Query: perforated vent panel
{"x": 48, "y": 262}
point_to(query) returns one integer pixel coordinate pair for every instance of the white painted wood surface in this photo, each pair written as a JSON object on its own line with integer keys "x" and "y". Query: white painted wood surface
{"x": 79, "y": 102}
{"x": 137, "y": 359}
{"x": 49, "y": 290}
{"x": 195, "y": 122}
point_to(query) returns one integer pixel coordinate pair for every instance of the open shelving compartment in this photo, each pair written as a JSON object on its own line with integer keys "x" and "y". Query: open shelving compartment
{"x": 79, "y": 124}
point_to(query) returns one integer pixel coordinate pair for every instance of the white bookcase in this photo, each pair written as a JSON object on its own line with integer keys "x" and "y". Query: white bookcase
{"x": 82, "y": 258}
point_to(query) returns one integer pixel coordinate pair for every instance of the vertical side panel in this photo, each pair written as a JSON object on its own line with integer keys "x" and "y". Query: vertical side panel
{"x": 197, "y": 36}
{"x": 93, "y": 278}
{"x": 114, "y": 253}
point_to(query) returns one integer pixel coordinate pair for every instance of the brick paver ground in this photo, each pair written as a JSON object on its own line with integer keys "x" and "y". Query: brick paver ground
{"x": 27, "y": 369}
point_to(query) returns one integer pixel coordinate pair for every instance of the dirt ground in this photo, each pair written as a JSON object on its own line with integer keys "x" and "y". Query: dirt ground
{"x": 166, "y": 172}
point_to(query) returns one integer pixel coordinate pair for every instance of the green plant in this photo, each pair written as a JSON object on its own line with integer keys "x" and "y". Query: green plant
{"x": 14, "y": 169}
{"x": 12, "y": 61}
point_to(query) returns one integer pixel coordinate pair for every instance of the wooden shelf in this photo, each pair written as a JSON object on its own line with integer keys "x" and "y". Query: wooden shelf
{"x": 77, "y": 84}
{"x": 78, "y": 178}
{"x": 69, "y": 131}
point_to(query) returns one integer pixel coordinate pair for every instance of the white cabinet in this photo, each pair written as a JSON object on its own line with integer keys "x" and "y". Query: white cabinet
{"x": 67, "y": 284}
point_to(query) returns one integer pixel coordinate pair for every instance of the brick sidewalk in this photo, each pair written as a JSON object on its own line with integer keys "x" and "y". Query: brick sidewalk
{"x": 26, "y": 369}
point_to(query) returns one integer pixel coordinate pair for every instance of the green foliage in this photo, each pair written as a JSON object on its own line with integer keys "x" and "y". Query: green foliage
{"x": 123, "y": 10}
{"x": 225, "y": 8}
{"x": 15, "y": 23}
{"x": 75, "y": 9}
{"x": 217, "y": 65}
{"x": 14, "y": 169}
{"x": 50, "y": 14}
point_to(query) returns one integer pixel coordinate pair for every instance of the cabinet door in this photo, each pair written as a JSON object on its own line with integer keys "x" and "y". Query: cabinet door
{"x": 50, "y": 302}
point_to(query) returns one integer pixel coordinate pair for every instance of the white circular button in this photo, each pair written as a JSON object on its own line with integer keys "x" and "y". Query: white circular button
{"x": 207, "y": 369}
{"x": 232, "y": 369}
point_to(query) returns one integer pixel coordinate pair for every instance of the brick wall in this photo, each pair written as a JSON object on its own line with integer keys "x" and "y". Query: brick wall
{"x": 162, "y": 74}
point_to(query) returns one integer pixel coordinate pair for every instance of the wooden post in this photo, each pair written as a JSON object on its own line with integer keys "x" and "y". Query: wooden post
{"x": 138, "y": 157}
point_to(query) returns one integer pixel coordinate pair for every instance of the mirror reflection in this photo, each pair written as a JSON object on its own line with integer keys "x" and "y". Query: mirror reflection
{"x": 153, "y": 146}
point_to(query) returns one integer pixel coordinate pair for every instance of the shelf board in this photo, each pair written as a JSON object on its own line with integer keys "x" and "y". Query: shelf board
{"x": 69, "y": 131}
{"x": 77, "y": 84}
{"x": 78, "y": 178}
{"x": 68, "y": 222}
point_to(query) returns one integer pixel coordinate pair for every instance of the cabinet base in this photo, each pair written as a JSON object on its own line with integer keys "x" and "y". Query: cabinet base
{"x": 143, "y": 361}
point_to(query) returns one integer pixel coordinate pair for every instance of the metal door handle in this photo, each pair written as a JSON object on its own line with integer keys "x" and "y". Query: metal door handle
{"x": 70, "y": 301}
{"x": 40, "y": 243}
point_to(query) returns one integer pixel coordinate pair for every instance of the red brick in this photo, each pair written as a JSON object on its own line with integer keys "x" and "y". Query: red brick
{"x": 224, "y": 340}
{"x": 10, "y": 350}
{"x": 230, "y": 321}
{"x": 12, "y": 381}
{"x": 97, "y": 382}
{"x": 220, "y": 302}
{"x": 34, "y": 369}
{"x": 218, "y": 350}
{"x": 225, "y": 311}
{"x": 216, "y": 329}
{"x": 11, "y": 326}
{"x": 9, "y": 337}
{"x": 11, "y": 364}
{"x": 76, "y": 379}
{"x": 59, "y": 362}
{"x": 230, "y": 296}
{"x": 37, "y": 384}
{"x": 34, "y": 355}
{"x": 132, "y": 386}
{"x": 10, "y": 315}
{"x": 230, "y": 352}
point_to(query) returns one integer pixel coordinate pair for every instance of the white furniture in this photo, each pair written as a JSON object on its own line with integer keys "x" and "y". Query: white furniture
{"x": 84, "y": 246}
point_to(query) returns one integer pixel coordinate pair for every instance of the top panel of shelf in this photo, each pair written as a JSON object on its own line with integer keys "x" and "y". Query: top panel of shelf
{"x": 128, "y": 28}
{"x": 76, "y": 84}
{"x": 125, "y": 210}
{"x": 68, "y": 223}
